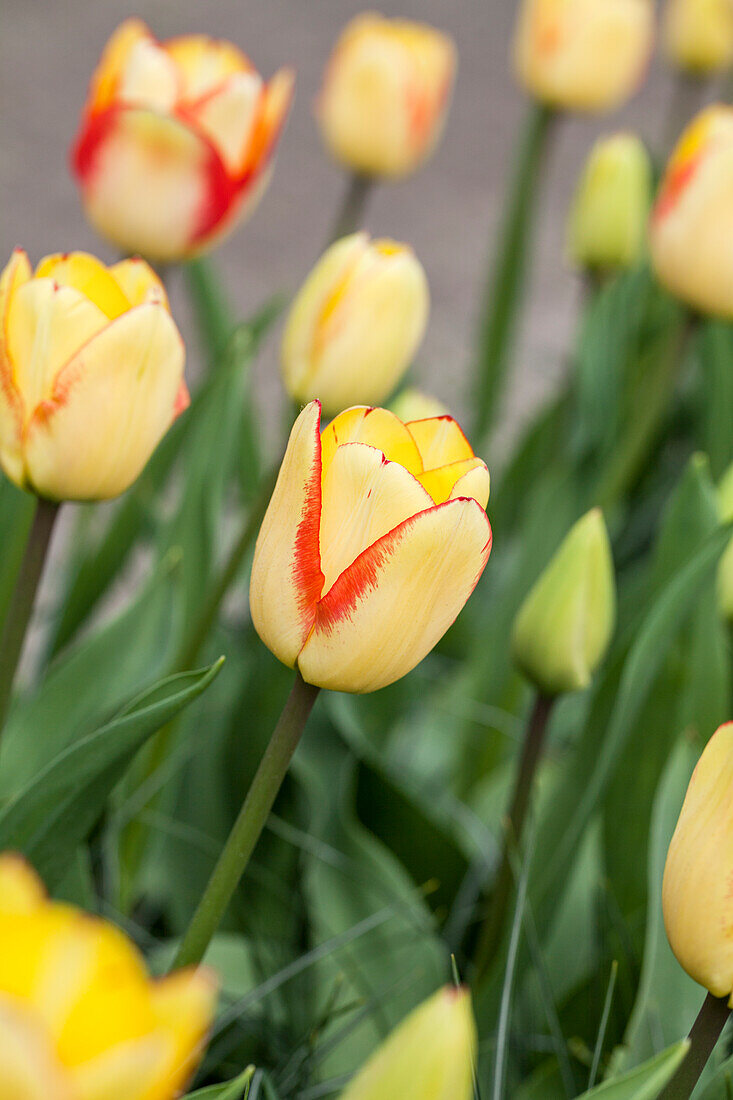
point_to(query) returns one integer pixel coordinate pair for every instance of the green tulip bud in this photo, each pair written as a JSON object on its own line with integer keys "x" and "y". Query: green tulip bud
{"x": 429, "y": 1056}
{"x": 725, "y": 566}
{"x": 414, "y": 404}
{"x": 608, "y": 216}
{"x": 563, "y": 628}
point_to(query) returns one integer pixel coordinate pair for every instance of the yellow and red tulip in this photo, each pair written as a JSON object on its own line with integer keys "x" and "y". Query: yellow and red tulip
{"x": 176, "y": 141}
{"x": 697, "y": 875}
{"x": 91, "y": 374}
{"x": 385, "y": 94}
{"x": 691, "y": 229}
{"x": 80, "y": 1019}
{"x": 374, "y": 539}
{"x": 583, "y": 55}
{"x": 355, "y": 324}
{"x": 698, "y": 35}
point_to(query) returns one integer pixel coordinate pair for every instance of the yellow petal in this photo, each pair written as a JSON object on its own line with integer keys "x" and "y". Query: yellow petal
{"x": 114, "y": 57}
{"x": 149, "y": 77}
{"x": 21, "y": 890}
{"x": 29, "y": 1069}
{"x": 89, "y": 276}
{"x": 475, "y": 483}
{"x": 228, "y": 117}
{"x": 364, "y": 497}
{"x": 469, "y": 478}
{"x": 204, "y": 63}
{"x": 440, "y": 441}
{"x": 388, "y": 609}
{"x": 286, "y": 579}
{"x": 377, "y": 427}
{"x": 184, "y": 1005}
{"x": 124, "y": 1071}
{"x": 108, "y": 409}
{"x": 138, "y": 282}
{"x": 16, "y": 273}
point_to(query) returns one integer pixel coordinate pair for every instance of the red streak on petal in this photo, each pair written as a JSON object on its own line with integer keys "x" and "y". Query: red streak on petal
{"x": 183, "y": 400}
{"x": 307, "y": 574}
{"x": 674, "y": 185}
{"x": 95, "y": 128}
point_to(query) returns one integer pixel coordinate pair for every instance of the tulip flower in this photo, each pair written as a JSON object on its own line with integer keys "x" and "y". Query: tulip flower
{"x": 413, "y": 404}
{"x": 91, "y": 374}
{"x": 176, "y": 141}
{"x": 374, "y": 539}
{"x": 697, "y": 875}
{"x": 79, "y": 1017}
{"x": 608, "y": 218}
{"x": 583, "y": 55}
{"x": 725, "y": 566}
{"x": 385, "y": 95}
{"x": 355, "y": 323}
{"x": 564, "y": 626}
{"x": 698, "y": 35}
{"x": 691, "y": 232}
{"x": 429, "y": 1056}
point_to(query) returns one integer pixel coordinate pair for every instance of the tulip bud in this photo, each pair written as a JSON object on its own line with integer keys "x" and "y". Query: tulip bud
{"x": 564, "y": 626}
{"x": 176, "y": 141}
{"x": 697, "y": 874}
{"x": 608, "y": 218}
{"x": 412, "y": 404}
{"x": 725, "y": 566}
{"x": 698, "y": 35}
{"x": 374, "y": 539}
{"x": 385, "y": 94}
{"x": 429, "y": 1056}
{"x": 583, "y": 55}
{"x": 691, "y": 231}
{"x": 91, "y": 374}
{"x": 79, "y": 1016}
{"x": 355, "y": 324}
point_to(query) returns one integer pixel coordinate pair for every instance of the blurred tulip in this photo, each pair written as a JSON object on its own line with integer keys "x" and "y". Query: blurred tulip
{"x": 79, "y": 1017}
{"x": 373, "y": 541}
{"x": 697, "y": 875}
{"x": 583, "y": 55}
{"x": 608, "y": 218}
{"x": 412, "y": 404}
{"x": 691, "y": 229}
{"x": 725, "y": 567}
{"x": 355, "y": 324}
{"x": 698, "y": 35}
{"x": 429, "y": 1056}
{"x": 176, "y": 141}
{"x": 91, "y": 374}
{"x": 565, "y": 624}
{"x": 385, "y": 94}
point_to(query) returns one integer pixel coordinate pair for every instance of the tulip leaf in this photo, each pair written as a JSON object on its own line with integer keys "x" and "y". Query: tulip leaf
{"x": 16, "y": 517}
{"x": 645, "y": 1082}
{"x": 238, "y": 1089}
{"x": 55, "y": 811}
{"x": 715, "y": 354}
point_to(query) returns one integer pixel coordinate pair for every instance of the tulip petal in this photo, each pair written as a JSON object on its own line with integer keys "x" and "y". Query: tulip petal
{"x": 205, "y": 63}
{"x": 29, "y": 1069}
{"x": 441, "y": 483}
{"x": 364, "y": 497}
{"x": 113, "y": 60}
{"x": 228, "y": 117}
{"x": 149, "y": 78}
{"x": 21, "y": 890}
{"x": 440, "y": 441}
{"x": 286, "y": 579}
{"x": 89, "y": 276}
{"x": 184, "y": 1005}
{"x": 125, "y": 1070}
{"x": 475, "y": 483}
{"x": 108, "y": 409}
{"x": 388, "y": 609}
{"x": 377, "y": 427}
{"x": 138, "y": 282}
{"x": 16, "y": 273}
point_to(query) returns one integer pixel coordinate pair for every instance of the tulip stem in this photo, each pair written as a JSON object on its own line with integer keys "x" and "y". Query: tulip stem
{"x": 247, "y": 828}
{"x": 23, "y": 599}
{"x": 532, "y": 748}
{"x": 351, "y": 211}
{"x": 504, "y": 293}
{"x": 704, "y": 1034}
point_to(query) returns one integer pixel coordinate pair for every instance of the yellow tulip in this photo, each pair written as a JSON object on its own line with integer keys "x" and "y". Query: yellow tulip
{"x": 413, "y": 404}
{"x": 374, "y": 539}
{"x": 176, "y": 141}
{"x": 385, "y": 94}
{"x": 79, "y": 1017}
{"x": 698, "y": 35}
{"x": 697, "y": 874}
{"x": 608, "y": 218}
{"x": 565, "y": 624}
{"x": 691, "y": 229}
{"x": 355, "y": 323}
{"x": 725, "y": 566}
{"x": 429, "y": 1056}
{"x": 91, "y": 374}
{"x": 583, "y": 55}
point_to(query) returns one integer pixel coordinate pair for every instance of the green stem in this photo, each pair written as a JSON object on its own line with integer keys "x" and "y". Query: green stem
{"x": 23, "y": 599}
{"x": 249, "y": 825}
{"x": 532, "y": 748}
{"x": 351, "y": 212}
{"x": 214, "y": 315}
{"x": 504, "y": 293}
{"x": 704, "y": 1035}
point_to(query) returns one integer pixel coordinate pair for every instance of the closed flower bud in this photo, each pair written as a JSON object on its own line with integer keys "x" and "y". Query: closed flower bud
{"x": 374, "y": 539}
{"x": 725, "y": 567}
{"x": 583, "y": 55}
{"x": 429, "y": 1056}
{"x": 385, "y": 94}
{"x": 412, "y": 404}
{"x": 355, "y": 324}
{"x": 691, "y": 231}
{"x": 79, "y": 1016}
{"x": 698, "y": 35}
{"x": 608, "y": 218}
{"x": 91, "y": 374}
{"x": 563, "y": 628}
{"x": 176, "y": 141}
{"x": 697, "y": 875}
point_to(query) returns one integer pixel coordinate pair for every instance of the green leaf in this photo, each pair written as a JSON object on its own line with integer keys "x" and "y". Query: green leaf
{"x": 16, "y": 516}
{"x": 715, "y": 415}
{"x": 647, "y": 1081}
{"x": 231, "y": 1090}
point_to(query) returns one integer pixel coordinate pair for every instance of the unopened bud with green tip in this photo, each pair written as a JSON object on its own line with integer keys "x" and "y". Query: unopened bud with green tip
{"x": 609, "y": 213}
{"x": 725, "y": 566}
{"x": 564, "y": 626}
{"x": 414, "y": 404}
{"x": 429, "y": 1056}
